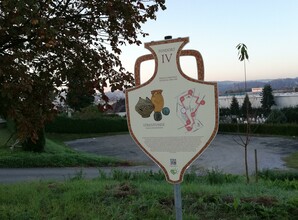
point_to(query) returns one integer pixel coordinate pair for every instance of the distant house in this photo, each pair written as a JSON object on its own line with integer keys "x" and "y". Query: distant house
{"x": 119, "y": 108}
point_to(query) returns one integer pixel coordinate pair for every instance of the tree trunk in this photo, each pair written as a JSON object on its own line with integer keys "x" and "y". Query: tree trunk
{"x": 37, "y": 145}
{"x": 246, "y": 163}
{"x": 246, "y": 146}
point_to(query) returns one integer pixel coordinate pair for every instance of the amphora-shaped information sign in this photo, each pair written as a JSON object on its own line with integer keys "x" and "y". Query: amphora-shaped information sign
{"x": 172, "y": 117}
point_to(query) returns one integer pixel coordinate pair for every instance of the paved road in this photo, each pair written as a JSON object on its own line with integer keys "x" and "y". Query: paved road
{"x": 223, "y": 154}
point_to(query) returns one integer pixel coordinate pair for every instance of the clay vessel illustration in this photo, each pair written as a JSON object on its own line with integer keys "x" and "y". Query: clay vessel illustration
{"x": 144, "y": 107}
{"x": 158, "y": 102}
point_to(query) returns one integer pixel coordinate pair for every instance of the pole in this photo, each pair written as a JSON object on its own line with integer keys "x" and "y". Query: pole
{"x": 256, "y": 164}
{"x": 178, "y": 203}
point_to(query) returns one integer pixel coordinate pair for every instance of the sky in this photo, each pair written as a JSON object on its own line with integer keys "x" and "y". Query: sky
{"x": 269, "y": 29}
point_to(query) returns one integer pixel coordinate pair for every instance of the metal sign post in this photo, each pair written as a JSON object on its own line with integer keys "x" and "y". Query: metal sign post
{"x": 173, "y": 118}
{"x": 178, "y": 201}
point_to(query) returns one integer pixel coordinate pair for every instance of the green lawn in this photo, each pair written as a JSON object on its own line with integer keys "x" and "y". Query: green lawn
{"x": 148, "y": 196}
{"x": 56, "y": 154}
{"x": 292, "y": 160}
{"x": 144, "y": 195}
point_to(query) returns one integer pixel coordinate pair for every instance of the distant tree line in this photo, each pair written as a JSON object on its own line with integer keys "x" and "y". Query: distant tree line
{"x": 284, "y": 115}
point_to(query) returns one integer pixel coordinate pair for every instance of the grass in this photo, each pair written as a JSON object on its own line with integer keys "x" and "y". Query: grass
{"x": 292, "y": 160}
{"x": 138, "y": 195}
{"x": 56, "y": 154}
{"x": 149, "y": 196}
{"x": 69, "y": 137}
{"x": 4, "y": 135}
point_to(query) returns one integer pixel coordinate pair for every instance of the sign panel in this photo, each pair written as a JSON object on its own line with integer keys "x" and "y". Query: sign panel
{"x": 172, "y": 117}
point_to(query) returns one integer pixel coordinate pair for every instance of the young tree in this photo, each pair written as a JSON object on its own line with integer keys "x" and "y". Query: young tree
{"x": 243, "y": 55}
{"x": 41, "y": 40}
{"x": 267, "y": 99}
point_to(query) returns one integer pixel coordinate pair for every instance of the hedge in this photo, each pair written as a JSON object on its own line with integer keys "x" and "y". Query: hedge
{"x": 64, "y": 124}
{"x": 262, "y": 129}
{"x": 98, "y": 125}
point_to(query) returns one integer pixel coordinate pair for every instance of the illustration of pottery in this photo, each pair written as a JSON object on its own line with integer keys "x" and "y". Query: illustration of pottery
{"x": 165, "y": 111}
{"x": 157, "y": 116}
{"x": 144, "y": 107}
{"x": 158, "y": 102}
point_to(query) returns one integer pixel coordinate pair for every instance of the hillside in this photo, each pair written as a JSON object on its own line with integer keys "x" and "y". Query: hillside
{"x": 228, "y": 87}
{"x": 285, "y": 84}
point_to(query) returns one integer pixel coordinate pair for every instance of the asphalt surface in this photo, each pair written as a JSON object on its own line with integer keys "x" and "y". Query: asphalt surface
{"x": 223, "y": 154}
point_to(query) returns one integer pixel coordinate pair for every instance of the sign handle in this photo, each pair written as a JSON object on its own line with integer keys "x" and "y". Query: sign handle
{"x": 178, "y": 202}
{"x": 194, "y": 53}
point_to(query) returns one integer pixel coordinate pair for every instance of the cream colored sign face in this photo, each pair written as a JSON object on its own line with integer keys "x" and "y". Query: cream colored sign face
{"x": 172, "y": 117}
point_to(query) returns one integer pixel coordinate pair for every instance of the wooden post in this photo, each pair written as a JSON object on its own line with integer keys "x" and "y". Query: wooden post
{"x": 256, "y": 164}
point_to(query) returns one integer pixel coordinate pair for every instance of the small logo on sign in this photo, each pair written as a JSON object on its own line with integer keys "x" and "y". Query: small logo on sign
{"x": 174, "y": 171}
{"x": 173, "y": 162}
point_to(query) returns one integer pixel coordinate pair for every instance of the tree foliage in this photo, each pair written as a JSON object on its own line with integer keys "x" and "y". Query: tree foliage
{"x": 246, "y": 108}
{"x": 80, "y": 92}
{"x": 41, "y": 40}
{"x": 242, "y": 56}
{"x": 267, "y": 99}
{"x": 235, "y": 109}
{"x": 291, "y": 114}
{"x": 242, "y": 52}
{"x": 276, "y": 117}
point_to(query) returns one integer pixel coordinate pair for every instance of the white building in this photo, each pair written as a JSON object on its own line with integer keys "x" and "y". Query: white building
{"x": 282, "y": 100}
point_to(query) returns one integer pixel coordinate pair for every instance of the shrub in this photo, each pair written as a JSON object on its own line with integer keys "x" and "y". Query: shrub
{"x": 278, "y": 175}
{"x": 276, "y": 117}
{"x": 291, "y": 114}
{"x": 276, "y": 129}
{"x": 267, "y": 129}
{"x": 96, "y": 125}
{"x": 224, "y": 111}
{"x": 216, "y": 176}
{"x": 11, "y": 126}
{"x": 89, "y": 112}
